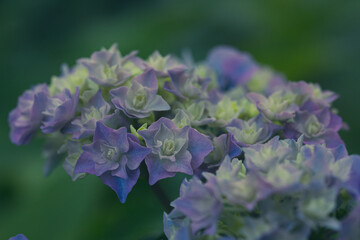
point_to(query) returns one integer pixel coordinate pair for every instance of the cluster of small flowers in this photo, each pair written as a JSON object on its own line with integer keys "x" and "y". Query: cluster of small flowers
{"x": 295, "y": 176}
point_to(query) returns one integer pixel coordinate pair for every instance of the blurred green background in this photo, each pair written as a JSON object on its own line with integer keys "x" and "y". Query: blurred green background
{"x": 316, "y": 41}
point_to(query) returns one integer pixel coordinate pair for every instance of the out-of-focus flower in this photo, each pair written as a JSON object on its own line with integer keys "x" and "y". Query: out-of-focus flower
{"x": 201, "y": 203}
{"x": 18, "y": 237}
{"x": 59, "y": 111}
{"x": 318, "y": 125}
{"x": 26, "y": 118}
{"x": 350, "y": 229}
{"x": 160, "y": 64}
{"x": 114, "y": 156}
{"x": 73, "y": 149}
{"x": 193, "y": 115}
{"x": 70, "y": 79}
{"x": 255, "y": 130}
{"x": 177, "y": 226}
{"x": 232, "y": 67}
{"x": 141, "y": 99}
{"x": 223, "y": 108}
{"x": 173, "y": 149}
{"x": 262, "y": 157}
{"x": 224, "y": 145}
{"x": 279, "y": 106}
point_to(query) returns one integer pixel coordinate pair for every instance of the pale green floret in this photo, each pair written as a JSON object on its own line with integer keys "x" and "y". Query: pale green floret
{"x": 227, "y": 109}
{"x": 181, "y": 119}
{"x": 93, "y": 113}
{"x": 196, "y": 110}
{"x": 255, "y": 228}
{"x": 109, "y": 72}
{"x": 249, "y": 110}
{"x": 243, "y": 190}
{"x": 132, "y": 68}
{"x": 204, "y": 71}
{"x": 279, "y": 102}
{"x": 313, "y": 126}
{"x": 319, "y": 207}
{"x": 281, "y": 177}
{"x": 192, "y": 88}
{"x": 157, "y": 61}
{"x": 248, "y": 135}
{"x": 139, "y": 99}
{"x": 318, "y": 93}
{"x": 267, "y": 152}
{"x": 260, "y": 80}
{"x": 168, "y": 147}
{"x": 238, "y": 170}
{"x": 109, "y": 152}
{"x": 242, "y": 169}
{"x": 77, "y": 78}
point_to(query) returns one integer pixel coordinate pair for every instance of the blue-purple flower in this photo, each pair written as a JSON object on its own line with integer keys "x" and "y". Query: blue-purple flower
{"x": 201, "y": 203}
{"x": 140, "y": 99}
{"x": 224, "y": 145}
{"x": 232, "y": 67}
{"x": 114, "y": 156}
{"x": 59, "y": 111}
{"x": 97, "y": 109}
{"x": 350, "y": 229}
{"x": 318, "y": 125}
{"x": 160, "y": 64}
{"x": 279, "y": 106}
{"x": 106, "y": 67}
{"x": 19, "y": 237}
{"x": 255, "y": 130}
{"x": 173, "y": 149}
{"x": 177, "y": 226}
{"x": 186, "y": 84}
{"x": 26, "y": 118}
{"x": 238, "y": 186}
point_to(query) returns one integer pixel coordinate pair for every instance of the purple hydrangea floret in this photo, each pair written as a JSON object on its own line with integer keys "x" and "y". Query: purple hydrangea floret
{"x": 232, "y": 67}
{"x": 97, "y": 109}
{"x": 19, "y": 237}
{"x": 59, "y": 110}
{"x": 186, "y": 84}
{"x": 318, "y": 125}
{"x": 173, "y": 149}
{"x": 201, "y": 203}
{"x": 140, "y": 99}
{"x": 350, "y": 229}
{"x": 255, "y": 130}
{"x": 106, "y": 67}
{"x": 224, "y": 145}
{"x": 26, "y": 118}
{"x": 276, "y": 107}
{"x": 115, "y": 157}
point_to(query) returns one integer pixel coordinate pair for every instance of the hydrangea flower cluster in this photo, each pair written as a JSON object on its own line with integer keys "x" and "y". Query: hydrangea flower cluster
{"x": 264, "y": 153}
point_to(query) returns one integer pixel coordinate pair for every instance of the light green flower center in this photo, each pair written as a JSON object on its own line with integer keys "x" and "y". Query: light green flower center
{"x": 93, "y": 113}
{"x": 140, "y": 98}
{"x": 227, "y": 109}
{"x": 109, "y": 72}
{"x": 109, "y": 152}
{"x": 168, "y": 147}
{"x": 249, "y": 134}
{"x": 318, "y": 208}
{"x": 313, "y": 126}
{"x": 267, "y": 152}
